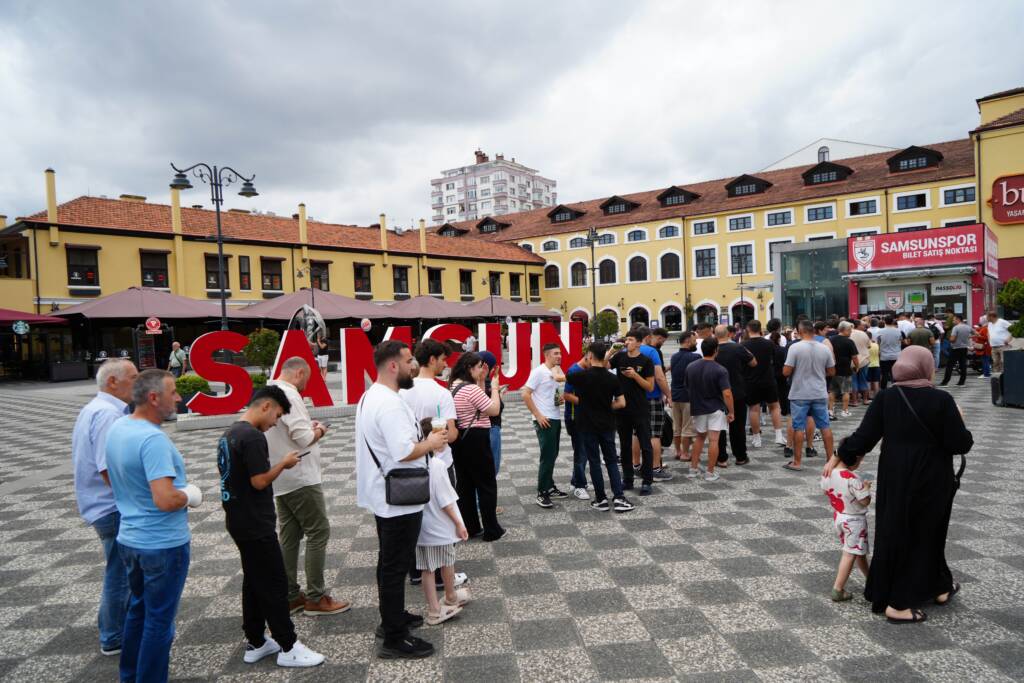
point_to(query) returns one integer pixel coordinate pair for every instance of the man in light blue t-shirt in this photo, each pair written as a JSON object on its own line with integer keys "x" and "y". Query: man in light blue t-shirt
{"x": 147, "y": 475}
{"x": 808, "y": 366}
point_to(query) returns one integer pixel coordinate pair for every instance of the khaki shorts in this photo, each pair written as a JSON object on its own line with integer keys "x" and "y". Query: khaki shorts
{"x": 682, "y": 423}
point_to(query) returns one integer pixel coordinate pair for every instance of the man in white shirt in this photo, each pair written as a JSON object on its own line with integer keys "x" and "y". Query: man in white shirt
{"x": 299, "y": 496}
{"x": 903, "y": 322}
{"x": 385, "y": 425}
{"x": 999, "y": 339}
{"x": 542, "y": 397}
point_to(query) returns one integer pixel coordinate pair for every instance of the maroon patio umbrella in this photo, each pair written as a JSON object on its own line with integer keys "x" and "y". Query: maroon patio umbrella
{"x": 7, "y": 317}
{"x": 142, "y": 303}
{"x": 331, "y": 306}
{"x": 427, "y": 307}
{"x": 500, "y": 307}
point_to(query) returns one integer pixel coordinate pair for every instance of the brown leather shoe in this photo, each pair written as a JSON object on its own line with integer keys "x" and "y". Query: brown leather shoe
{"x": 297, "y": 604}
{"x": 326, "y": 605}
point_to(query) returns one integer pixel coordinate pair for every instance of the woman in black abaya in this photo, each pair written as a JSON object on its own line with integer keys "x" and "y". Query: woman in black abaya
{"x": 915, "y": 487}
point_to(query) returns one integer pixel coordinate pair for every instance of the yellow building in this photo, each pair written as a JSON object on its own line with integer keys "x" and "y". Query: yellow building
{"x": 92, "y": 246}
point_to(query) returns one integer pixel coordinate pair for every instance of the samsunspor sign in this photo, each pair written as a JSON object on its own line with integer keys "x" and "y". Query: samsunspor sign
{"x": 525, "y": 341}
{"x": 1007, "y": 199}
{"x": 939, "y": 247}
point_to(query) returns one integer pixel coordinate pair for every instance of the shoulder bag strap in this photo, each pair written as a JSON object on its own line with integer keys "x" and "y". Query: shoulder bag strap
{"x": 475, "y": 417}
{"x": 369, "y": 448}
{"x": 963, "y": 459}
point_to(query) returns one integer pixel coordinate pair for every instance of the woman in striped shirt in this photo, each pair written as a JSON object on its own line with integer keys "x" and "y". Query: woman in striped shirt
{"x": 471, "y": 451}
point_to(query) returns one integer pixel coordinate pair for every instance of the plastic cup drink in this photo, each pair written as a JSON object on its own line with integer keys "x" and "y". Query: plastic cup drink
{"x": 438, "y": 424}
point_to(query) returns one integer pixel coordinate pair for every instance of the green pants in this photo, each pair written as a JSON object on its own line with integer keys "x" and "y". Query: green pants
{"x": 548, "y": 438}
{"x": 303, "y": 513}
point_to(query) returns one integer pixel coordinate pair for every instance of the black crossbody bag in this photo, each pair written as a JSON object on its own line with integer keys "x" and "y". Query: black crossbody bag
{"x": 403, "y": 485}
{"x": 963, "y": 458}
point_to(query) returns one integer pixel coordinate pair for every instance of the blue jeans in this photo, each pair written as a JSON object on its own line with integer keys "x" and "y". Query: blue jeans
{"x": 937, "y": 349}
{"x": 860, "y": 380}
{"x": 605, "y": 441}
{"x": 156, "y": 578}
{"x": 986, "y": 366}
{"x": 114, "y": 599}
{"x": 579, "y": 457}
{"x": 800, "y": 409}
{"x": 496, "y": 447}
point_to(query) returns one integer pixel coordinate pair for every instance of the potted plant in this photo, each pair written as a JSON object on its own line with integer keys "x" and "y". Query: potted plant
{"x": 187, "y": 386}
{"x": 262, "y": 348}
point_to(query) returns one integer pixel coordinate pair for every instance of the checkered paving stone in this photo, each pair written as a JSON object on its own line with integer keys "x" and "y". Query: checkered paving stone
{"x": 723, "y": 581}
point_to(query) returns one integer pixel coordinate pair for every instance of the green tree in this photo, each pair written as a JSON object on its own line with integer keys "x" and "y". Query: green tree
{"x": 262, "y": 348}
{"x": 604, "y": 324}
{"x": 1011, "y": 298}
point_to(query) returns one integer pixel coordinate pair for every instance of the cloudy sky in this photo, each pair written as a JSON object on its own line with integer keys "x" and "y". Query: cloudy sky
{"x": 353, "y": 107}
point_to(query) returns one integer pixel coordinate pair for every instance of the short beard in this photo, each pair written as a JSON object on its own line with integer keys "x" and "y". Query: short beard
{"x": 405, "y": 382}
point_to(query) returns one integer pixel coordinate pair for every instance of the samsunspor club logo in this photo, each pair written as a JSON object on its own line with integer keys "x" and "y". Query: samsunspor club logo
{"x": 1007, "y": 200}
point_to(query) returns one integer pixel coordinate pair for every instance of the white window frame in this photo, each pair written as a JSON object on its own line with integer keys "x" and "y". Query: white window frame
{"x": 819, "y": 235}
{"x": 558, "y": 245}
{"x": 533, "y": 248}
{"x": 713, "y": 220}
{"x": 666, "y": 225}
{"x": 729, "y": 231}
{"x": 962, "y": 186}
{"x": 873, "y": 230}
{"x": 768, "y": 249}
{"x": 753, "y": 256}
{"x": 693, "y": 262}
{"x": 792, "y": 218}
{"x": 543, "y": 278}
{"x": 855, "y": 200}
{"x": 586, "y": 270}
{"x": 913, "y": 224}
{"x": 615, "y": 239}
{"x": 809, "y": 207}
{"x": 597, "y": 273}
{"x": 636, "y": 229}
{"x": 681, "y": 261}
{"x": 647, "y": 260}
{"x": 927, "y": 192}
{"x": 947, "y": 221}
{"x": 568, "y": 242}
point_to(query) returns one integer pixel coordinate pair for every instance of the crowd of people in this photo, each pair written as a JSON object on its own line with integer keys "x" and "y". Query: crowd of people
{"x": 428, "y": 451}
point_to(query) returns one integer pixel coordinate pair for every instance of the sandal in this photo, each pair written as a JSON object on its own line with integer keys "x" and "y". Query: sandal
{"x": 790, "y": 466}
{"x": 461, "y": 598}
{"x": 952, "y": 591}
{"x": 841, "y": 595}
{"x": 917, "y": 617}
{"x": 446, "y": 613}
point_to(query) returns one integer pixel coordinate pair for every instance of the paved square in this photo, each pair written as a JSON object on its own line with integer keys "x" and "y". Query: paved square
{"x": 725, "y": 581}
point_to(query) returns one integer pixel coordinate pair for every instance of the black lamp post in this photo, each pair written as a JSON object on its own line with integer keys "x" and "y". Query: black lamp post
{"x": 592, "y": 240}
{"x": 313, "y": 273}
{"x": 739, "y": 264}
{"x": 216, "y": 178}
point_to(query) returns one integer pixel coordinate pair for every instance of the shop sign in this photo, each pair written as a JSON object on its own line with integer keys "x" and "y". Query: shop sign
{"x": 948, "y": 288}
{"x": 1007, "y": 200}
{"x": 20, "y": 327}
{"x": 991, "y": 253}
{"x": 894, "y": 300}
{"x": 939, "y": 247}
{"x": 153, "y": 325}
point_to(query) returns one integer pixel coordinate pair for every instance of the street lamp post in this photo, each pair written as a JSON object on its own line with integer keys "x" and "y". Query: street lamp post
{"x": 592, "y": 240}
{"x": 216, "y": 178}
{"x": 739, "y": 264}
{"x": 312, "y": 272}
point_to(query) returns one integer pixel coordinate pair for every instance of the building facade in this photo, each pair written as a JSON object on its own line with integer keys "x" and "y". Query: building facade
{"x": 489, "y": 188}
{"x": 91, "y": 246}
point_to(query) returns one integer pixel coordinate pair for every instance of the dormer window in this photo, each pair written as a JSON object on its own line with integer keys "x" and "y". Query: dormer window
{"x": 618, "y": 207}
{"x": 747, "y": 185}
{"x": 490, "y": 225}
{"x": 563, "y": 214}
{"x": 826, "y": 172}
{"x": 449, "y": 232}
{"x": 913, "y": 158}
{"x": 616, "y": 204}
{"x": 676, "y": 196}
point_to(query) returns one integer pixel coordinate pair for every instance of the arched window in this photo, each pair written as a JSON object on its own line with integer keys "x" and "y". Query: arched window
{"x": 639, "y": 315}
{"x": 578, "y": 275}
{"x": 669, "y": 266}
{"x": 668, "y": 231}
{"x": 636, "y": 236}
{"x": 550, "y": 245}
{"x": 551, "y": 277}
{"x": 607, "y": 238}
{"x": 577, "y": 243}
{"x": 822, "y": 154}
{"x": 527, "y": 247}
{"x": 606, "y": 272}
{"x": 637, "y": 269}
{"x": 672, "y": 318}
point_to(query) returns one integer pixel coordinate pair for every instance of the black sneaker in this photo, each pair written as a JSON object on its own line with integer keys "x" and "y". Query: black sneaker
{"x": 544, "y": 501}
{"x": 636, "y": 468}
{"x": 600, "y": 505}
{"x": 661, "y": 474}
{"x": 411, "y": 621}
{"x": 627, "y": 486}
{"x": 645, "y": 490}
{"x": 416, "y": 580}
{"x": 554, "y": 492}
{"x": 810, "y": 453}
{"x": 409, "y": 647}
{"x": 623, "y": 505}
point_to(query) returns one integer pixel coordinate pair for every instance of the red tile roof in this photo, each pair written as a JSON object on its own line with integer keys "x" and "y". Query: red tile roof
{"x": 1014, "y": 118}
{"x": 869, "y": 173}
{"x": 116, "y": 214}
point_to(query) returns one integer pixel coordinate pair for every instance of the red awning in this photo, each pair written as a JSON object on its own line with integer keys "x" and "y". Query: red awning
{"x": 141, "y": 303}
{"x": 7, "y": 317}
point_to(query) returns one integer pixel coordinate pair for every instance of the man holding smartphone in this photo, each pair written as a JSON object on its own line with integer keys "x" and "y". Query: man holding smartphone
{"x": 636, "y": 378}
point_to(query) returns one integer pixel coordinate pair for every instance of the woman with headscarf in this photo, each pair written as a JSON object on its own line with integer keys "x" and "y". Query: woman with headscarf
{"x": 921, "y": 428}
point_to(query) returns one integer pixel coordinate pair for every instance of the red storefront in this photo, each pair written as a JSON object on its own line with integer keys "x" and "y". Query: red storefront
{"x": 941, "y": 271}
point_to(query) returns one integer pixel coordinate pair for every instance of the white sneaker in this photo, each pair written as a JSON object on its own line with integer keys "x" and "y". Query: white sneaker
{"x": 845, "y": 413}
{"x": 755, "y": 440}
{"x": 255, "y": 654}
{"x": 299, "y": 656}
{"x": 711, "y": 476}
{"x": 581, "y": 494}
{"x": 780, "y": 438}
{"x": 693, "y": 473}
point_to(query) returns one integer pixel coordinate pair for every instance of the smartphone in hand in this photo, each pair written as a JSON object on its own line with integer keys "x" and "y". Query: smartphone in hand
{"x": 303, "y": 455}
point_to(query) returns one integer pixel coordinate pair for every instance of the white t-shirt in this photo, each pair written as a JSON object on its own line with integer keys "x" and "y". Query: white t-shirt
{"x": 425, "y": 398}
{"x": 437, "y": 528}
{"x": 998, "y": 333}
{"x": 385, "y": 421}
{"x": 543, "y": 386}
{"x": 906, "y": 327}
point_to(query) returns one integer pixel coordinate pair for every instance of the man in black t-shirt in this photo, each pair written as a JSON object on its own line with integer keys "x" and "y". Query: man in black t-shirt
{"x": 636, "y": 378}
{"x": 761, "y": 384}
{"x": 599, "y": 393}
{"x": 735, "y": 359}
{"x": 844, "y": 350}
{"x": 247, "y": 496}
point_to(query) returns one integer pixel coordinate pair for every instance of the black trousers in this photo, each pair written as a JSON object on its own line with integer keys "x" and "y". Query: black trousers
{"x": 627, "y": 425}
{"x": 886, "y": 368}
{"x": 396, "y": 541}
{"x": 737, "y": 433}
{"x": 265, "y": 592}
{"x": 956, "y": 357}
{"x": 475, "y": 481}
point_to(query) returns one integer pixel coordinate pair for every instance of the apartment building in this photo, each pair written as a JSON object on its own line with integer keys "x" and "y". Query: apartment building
{"x": 489, "y": 187}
